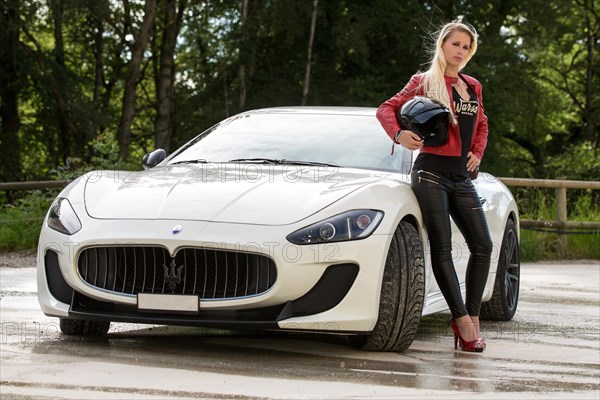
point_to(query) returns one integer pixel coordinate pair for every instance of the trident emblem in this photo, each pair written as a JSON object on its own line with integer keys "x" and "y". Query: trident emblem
{"x": 172, "y": 277}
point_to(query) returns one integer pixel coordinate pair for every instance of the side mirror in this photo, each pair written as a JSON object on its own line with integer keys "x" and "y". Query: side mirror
{"x": 154, "y": 158}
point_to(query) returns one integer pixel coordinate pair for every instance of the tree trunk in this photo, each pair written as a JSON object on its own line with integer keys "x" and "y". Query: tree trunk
{"x": 589, "y": 82}
{"x": 131, "y": 80}
{"x": 311, "y": 39}
{"x": 117, "y": 56}
{"x": 226, "y": 97}
{"x": 10, "y": 164}
{"x": 98, "y": 66}
{"x": 59, "y": 47}
{"x": 68, "y": 145}
{"x": 53, "y": 87}
{"x": 242, "y": 50}
{"x": 163, "y": 124}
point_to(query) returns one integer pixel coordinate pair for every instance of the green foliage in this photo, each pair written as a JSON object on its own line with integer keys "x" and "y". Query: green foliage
{"x": 537, "y": 246}
{"x": 531, "y": 60}
{"x": 579, "y": 161}
{"x": 537, "y": 61}
{"x": 20, "y": 223}
{"x": 540, "y": 204}
{"x": 103, "y": 154}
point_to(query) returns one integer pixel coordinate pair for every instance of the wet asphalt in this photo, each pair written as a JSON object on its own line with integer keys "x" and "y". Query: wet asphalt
{"x": 551, "y": 349}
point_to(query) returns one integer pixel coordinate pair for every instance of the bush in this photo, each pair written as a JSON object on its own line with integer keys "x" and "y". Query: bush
{"x": 20, "y": 223}
{"x": 540, "y": 204}
{"x": 21, "y": 218}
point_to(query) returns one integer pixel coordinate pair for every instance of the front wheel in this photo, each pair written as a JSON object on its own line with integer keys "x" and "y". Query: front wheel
{"x": 402, "y": 294}
{"x": 503, "y": 304}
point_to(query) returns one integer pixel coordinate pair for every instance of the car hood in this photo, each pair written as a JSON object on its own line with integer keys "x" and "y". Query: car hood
{"x": 234, "y": 193}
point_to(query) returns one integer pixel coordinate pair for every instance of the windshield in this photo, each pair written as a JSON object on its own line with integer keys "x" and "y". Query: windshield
{"x": 344, "y": 140}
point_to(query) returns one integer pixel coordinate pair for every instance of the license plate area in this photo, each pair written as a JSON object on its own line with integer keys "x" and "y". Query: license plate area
{"x": 158, "y": 303}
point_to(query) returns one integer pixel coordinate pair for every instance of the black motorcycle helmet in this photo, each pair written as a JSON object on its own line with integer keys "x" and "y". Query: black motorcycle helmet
{"x": 427, "y": 118}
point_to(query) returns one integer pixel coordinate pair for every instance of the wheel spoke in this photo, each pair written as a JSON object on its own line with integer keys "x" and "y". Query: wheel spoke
{"x": 511, "y": 284}
{"x": 510, "y": 297}
{"x": 512, "y": 290}
{"x": 510, "y": 251}
{"x": 513, "y": 266}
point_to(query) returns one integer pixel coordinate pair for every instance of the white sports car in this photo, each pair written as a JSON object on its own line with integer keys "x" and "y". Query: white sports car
{"x": 283, "y": 218}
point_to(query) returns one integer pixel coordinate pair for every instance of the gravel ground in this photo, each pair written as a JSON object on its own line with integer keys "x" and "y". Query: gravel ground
{"x": 548, "y": 351}
{"x": 18, "y": 259}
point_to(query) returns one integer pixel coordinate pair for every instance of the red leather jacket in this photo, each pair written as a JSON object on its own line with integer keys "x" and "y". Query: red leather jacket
{"x": 386, "y": 114}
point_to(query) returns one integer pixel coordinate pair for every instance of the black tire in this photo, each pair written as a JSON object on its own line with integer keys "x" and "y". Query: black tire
{"x": 505, "y": 298}
{"x": 84, "y": 328}
{"x": 402, "y": 294}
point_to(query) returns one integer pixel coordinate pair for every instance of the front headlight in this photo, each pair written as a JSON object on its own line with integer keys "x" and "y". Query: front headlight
{"x": 351, "y": 225}
{"x": 62, "y": 217}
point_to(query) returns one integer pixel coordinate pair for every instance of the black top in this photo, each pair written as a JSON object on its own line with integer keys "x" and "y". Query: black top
{"x": 466, "y": 114}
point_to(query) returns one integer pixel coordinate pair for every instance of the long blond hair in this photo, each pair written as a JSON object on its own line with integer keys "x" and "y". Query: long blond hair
{"x": 434, "y": 83}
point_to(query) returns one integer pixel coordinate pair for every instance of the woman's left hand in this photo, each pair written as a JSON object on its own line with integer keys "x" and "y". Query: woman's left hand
{"x": 472, "y": 162}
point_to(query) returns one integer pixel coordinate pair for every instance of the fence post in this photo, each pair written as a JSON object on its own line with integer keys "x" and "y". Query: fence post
{"x": 561, "y": 215}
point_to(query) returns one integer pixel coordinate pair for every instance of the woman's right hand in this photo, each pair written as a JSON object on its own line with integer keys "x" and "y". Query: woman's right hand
{"x": 410, "y": 140}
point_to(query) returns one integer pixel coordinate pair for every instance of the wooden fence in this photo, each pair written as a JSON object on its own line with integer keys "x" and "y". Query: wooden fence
{"x": 32, "y": 185}
{"x": 562, "y": 223}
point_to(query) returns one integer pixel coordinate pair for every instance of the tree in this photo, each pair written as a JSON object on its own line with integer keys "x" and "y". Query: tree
{"x": 164, "y": 122}
{"x": 311, "y": 39}
{"x": 10, "y": 163}
{"x": 49, "y": 79}
{"x": 76, "y": 77}
{"x": 131, "y": 81}
{"x": 242, "y": 50}
{"x": 562, "y": 40}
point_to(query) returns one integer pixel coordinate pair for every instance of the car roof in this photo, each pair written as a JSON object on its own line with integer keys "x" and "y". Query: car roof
{"x": 323, "y": 110}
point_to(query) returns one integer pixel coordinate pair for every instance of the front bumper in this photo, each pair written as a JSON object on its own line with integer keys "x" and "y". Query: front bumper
{"x": 331, "y": 287}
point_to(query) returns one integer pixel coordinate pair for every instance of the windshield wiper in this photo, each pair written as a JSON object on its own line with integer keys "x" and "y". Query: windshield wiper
{"x": 257, "y": 160}
{"x": 198, "y": 161}
{"x": 309, "y": 163}
{"x": 282, "y": 161}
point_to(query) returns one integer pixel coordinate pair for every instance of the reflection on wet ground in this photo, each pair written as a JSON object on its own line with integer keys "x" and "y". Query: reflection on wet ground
{"x": 431, "y": 363}
{"x": 548, "y": 350}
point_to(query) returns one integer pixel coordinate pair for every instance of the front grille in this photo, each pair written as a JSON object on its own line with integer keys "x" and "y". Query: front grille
{"x": 207, "y": 273}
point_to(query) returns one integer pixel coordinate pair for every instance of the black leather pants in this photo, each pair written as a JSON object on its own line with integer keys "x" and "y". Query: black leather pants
{"x": 441, "y": 195}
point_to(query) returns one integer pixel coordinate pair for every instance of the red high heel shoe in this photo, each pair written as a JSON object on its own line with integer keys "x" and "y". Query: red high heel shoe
{"x": 474, "y": 346}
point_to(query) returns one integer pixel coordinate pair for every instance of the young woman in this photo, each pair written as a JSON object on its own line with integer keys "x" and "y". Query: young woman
{"x": 440, "y": 175}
